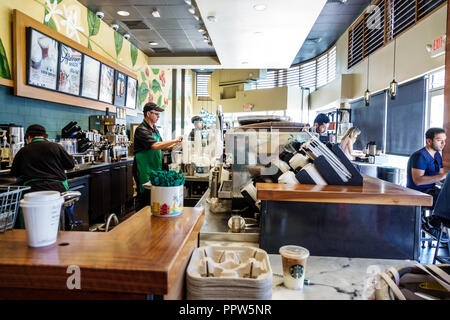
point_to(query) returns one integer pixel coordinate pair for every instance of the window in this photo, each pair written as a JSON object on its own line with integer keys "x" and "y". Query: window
{"x": 382, "y": 22}
{"x": 311, "y": 74}
{"x": 436, "y": 99}
{"x": 201, "y": 84}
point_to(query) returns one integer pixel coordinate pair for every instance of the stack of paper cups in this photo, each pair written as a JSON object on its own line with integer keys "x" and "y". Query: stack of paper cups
{"x": 298, "y": 161}
{"x": 315, "y": 174}
{"x": 288, "y": 178}
{"x": 41, "y": 212}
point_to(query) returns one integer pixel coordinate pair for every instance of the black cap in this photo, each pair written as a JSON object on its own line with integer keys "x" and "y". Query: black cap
{"x": 150, "y": 106}
{"x": 196, "y": 118}
{"x": 36, "y": 130}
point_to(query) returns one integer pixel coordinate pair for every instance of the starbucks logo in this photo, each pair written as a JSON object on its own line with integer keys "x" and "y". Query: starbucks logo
{"x": 296, "y": 271}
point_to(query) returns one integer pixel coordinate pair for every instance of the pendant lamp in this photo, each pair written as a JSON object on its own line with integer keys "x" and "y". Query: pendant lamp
{"x": 393, "y": 86}
{"x": 367, "y": 93}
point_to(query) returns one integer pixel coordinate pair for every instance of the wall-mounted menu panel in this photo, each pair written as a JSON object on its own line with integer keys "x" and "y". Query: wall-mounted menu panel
{"x": 48, "y": 66}
{"x": 131, "y": 93}
{"x": 42, "y": 60}
{"x": 120, "y": 89}
{"x": 69, "y": 70}
{"x": 106, "y": 84}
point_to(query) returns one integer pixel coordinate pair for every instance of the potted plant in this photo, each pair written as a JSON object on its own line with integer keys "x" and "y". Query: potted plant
{"x": 166, "y": 196}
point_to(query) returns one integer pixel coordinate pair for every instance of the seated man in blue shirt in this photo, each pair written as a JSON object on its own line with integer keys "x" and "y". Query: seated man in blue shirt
{"x": 425, "y": 165}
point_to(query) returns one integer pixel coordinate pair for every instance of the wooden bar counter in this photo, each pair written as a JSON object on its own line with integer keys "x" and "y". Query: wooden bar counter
{"x": 141, "y": 257}
{"x": 376, "y": 220}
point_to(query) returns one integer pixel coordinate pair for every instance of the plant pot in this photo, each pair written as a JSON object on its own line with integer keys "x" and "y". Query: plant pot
{"x": 166, "y": 201}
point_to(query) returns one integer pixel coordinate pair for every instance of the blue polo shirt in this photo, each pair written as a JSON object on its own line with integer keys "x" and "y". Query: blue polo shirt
{"x": 423, "y": 160}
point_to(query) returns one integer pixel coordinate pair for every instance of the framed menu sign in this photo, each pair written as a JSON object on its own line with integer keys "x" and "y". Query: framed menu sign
{"x": 131, "y": 93}
{"x": 106, "y": 84}
{"x": 42, "y": 62}
{"x": 119, "y": 89}
{"x": 69, "y": 70}
{"x": 91, "y": 78}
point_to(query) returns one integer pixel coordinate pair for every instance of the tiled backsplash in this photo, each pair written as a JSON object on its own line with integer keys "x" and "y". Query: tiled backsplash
{"x": 53, "y": 116}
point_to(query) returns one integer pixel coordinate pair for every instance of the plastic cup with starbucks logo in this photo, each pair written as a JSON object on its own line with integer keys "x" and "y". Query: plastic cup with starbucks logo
{"x": 294, "y": 264}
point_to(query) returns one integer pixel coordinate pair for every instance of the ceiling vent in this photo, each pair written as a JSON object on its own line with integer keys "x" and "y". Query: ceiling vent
{"x": 136, "y": 25}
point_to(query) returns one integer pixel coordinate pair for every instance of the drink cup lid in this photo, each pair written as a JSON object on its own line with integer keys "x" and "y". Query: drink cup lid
{"x": 42, "y": 196}
{"x": 295, "y": 252}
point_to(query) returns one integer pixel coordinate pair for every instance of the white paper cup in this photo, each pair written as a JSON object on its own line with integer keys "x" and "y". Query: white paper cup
{"x": 294, "y": 259}
{"x": 288, "y": 178}
{"x": 166, "y": 201}
{"x": 298, "y": 161}
{"x": 41, "y": 212}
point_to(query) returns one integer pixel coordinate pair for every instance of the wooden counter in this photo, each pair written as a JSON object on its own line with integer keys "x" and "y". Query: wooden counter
{"x": 143, "y": 255}
{"x": 373, "y": 191}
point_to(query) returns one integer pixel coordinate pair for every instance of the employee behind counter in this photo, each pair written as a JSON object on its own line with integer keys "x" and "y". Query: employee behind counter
{"x": 147, "y": 149}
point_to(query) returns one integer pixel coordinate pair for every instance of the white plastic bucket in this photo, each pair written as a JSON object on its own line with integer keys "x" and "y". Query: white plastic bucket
{"x": 166, "y": 201}
{"x": 41, "y": 212}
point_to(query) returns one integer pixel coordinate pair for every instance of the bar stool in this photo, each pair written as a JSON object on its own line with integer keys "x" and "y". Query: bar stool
{"x": 425, "y": 212}
{"x": 442, "y": 259}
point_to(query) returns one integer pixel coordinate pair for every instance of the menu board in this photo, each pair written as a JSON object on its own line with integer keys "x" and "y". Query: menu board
{"x": 131, "y": 93}
{"x": 69, "y": 75}
{"x": 119, "y": 89}
{"x": 106, "y": 84}
{"x": 42, "y": 60}
{"x": 91, "y": 78}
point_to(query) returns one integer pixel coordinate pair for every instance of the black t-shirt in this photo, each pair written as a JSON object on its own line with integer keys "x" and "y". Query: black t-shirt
{"x": 143, "y": 137}
{"x": 42, "y": 160}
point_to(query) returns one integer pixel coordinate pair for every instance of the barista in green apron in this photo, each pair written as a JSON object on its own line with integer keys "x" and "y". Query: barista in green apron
{"x": 147, "y": 149}
{"x": 41, "y": 164}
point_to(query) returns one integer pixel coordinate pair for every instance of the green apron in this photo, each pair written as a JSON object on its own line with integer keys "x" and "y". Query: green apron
{"x": 147, "y": 161}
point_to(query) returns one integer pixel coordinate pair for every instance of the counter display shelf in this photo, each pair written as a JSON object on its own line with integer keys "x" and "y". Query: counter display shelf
{"x": 377, "y": 220}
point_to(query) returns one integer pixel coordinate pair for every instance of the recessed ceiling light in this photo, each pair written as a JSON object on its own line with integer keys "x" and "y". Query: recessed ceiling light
{"x": 196, "y": 16}
{"x": 123, "y": 13}
{"x": 201, "y": 29}
{"x": 244, "y": 62}
{"x": 155, "y": 13}
{"x": 260, "y": 7}
{"x": 188, "y": 2}
{"x": 212, "y": 18}
{"x": 153, "y": 43}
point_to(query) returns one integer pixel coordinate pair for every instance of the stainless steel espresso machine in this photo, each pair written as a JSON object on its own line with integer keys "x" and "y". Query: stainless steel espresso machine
{"x": 12, "y": 139}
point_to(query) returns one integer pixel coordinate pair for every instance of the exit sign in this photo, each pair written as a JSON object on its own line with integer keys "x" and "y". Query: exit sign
{"x": 438, "y": 46}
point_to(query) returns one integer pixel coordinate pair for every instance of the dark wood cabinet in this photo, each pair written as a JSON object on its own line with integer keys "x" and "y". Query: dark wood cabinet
{"x": 81, "y": 208}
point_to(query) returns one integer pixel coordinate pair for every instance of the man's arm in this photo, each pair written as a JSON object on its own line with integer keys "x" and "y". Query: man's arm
{"x": 165, "y": 145}
{"x": 419, "y": 177}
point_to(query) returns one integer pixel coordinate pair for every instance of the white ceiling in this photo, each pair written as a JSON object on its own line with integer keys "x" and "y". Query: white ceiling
{"x": 245, "y": 38}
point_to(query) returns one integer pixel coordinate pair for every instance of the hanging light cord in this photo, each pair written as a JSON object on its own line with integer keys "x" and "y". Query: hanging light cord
{"x": 395, "y": 46}
{"x": 367, "y": 72}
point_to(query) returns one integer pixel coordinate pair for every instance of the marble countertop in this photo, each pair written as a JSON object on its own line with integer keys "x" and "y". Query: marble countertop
{"x": 331, "y": 278}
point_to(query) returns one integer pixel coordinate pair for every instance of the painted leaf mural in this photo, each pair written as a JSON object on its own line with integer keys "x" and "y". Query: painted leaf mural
{"x": 50, "y": 23}
{"x": 155, "y": 71}
{"x": 159, "y": 100}
{"x": 156, "y": 86}
{"x": 118, "y": 40}
{"x": 133, "y": 53}
{"x": 93, "y": 25}
{"x": 4, "y": 66}
{"x": 142, "y": 92}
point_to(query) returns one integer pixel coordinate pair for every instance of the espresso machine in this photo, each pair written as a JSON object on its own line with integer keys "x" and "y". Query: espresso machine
{"x": 12, "y": 140}
{"x": 114, "y": 132}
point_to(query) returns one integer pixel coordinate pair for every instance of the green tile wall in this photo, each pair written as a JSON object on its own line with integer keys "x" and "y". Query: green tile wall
{"x": 53, "y": 116}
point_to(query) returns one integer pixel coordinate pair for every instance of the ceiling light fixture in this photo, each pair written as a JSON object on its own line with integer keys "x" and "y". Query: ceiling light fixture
{"x": 153, "y": 43}
{"x": 244, "y": 62}
{"x": 188, "y": 2}
{"x": 201, "y": 29}
{"x": 191, "y": 9}
{"x": 260, "y": 7}
{"x": 155, "y": 13}
{"x": 196, "y": 16}
{"x": 123, "y": 13}
{"x": 367, "y": 93}
{"x": 393, "y": 86}
{"x": 212, "y": 18}
{"x": 115, "y": 27}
